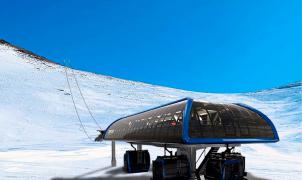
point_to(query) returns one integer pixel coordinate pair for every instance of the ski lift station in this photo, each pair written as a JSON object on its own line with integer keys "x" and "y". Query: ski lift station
{"x": 188, "y": 126}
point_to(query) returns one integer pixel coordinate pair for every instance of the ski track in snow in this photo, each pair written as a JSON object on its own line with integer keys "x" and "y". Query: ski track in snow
{"x": 41, "y": 137}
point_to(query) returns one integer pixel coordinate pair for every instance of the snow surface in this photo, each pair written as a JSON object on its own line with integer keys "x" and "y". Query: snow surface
{"x": 41, "y": 137}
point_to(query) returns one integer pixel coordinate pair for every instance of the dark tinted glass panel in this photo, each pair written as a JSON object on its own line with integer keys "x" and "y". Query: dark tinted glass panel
{"x": 159, "y": 125}
{"x": 226, "y": 121}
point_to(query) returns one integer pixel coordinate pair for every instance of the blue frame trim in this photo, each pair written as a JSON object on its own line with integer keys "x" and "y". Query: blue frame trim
{"x": 185, "y": 128}
{"x": 188, "y": 140}
{"x": 167, "y": 104}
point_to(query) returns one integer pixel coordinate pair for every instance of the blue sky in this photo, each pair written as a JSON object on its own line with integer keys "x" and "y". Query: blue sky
{"x": 200, "y": 45}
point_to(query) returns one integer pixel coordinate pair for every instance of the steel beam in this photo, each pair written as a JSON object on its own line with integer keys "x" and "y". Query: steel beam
{"x": 113, "y": 156}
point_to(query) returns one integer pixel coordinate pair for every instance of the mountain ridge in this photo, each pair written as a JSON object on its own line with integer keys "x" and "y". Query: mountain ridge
{"x": 294, "y": 84}
{"x": 26, "y": 52}
{"x": 31, "y": 54}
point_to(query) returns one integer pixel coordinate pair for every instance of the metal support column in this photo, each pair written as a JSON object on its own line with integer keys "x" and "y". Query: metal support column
{"x": 139, "y": 147}
{"x": 113, "y": 157}
{"x": 192, "y": 158}
{"x": 178, "y": 151}
{"x": 190, "y": 152}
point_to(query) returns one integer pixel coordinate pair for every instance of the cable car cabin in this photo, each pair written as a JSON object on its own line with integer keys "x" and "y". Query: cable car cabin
{"x": 189, "y": 125}
{"x": 192, "y": 122}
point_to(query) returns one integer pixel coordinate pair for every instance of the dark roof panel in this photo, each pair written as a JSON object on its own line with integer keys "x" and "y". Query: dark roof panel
{"x": 191, "y": 122}
{"x": 162, "y": 124}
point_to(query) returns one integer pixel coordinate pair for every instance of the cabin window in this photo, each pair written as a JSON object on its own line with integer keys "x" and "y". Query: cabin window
{"x": 163, "y": 125}
{"x": 215, "y": 118}
{"x": 203, "y": 117}
{"x": 226, "y": 121}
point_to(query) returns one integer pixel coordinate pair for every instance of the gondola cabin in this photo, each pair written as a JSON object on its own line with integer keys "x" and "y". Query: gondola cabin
{"x": 192, "y": 122}
{"x": 187, "y": 123}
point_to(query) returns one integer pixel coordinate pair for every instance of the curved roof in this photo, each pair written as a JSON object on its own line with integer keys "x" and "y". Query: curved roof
{"x": 186, "y": 121}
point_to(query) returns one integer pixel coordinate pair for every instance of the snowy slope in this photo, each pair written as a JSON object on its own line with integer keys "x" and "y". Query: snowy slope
{"x": 42, "y": 138}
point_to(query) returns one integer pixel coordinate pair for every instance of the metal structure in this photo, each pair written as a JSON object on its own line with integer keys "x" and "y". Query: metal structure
{"x": 190, "y": 125}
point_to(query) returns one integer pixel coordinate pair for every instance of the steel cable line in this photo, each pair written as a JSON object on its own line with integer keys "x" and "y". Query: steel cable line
{"x": 86, "y": 105}
{"x": 75, "y": 107}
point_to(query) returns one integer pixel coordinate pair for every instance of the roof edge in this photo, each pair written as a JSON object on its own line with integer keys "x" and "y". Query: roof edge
{"x": 263, "y": 116}
{"x": 167, "y": 104}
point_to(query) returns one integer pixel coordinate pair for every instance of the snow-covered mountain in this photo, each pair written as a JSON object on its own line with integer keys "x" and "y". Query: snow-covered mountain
{"x": 41, "y": 136}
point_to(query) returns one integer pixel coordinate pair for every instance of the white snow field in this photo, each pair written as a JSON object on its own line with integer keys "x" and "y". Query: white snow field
{"x": 41, "y": 137}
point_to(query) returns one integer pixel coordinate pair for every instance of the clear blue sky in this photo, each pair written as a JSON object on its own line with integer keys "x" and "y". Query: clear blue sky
{"x": 199, "y": 45}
